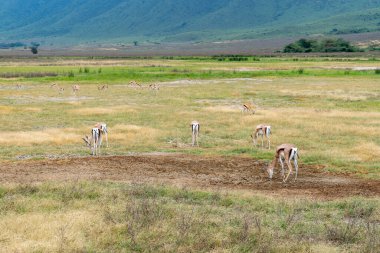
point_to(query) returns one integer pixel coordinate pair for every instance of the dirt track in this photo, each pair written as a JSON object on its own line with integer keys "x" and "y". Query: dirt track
{"x": 185, "y": 170}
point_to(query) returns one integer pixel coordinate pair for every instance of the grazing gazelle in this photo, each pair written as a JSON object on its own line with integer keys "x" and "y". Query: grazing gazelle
{"x": 285, "y": 153}
{"x": 134, "y": 84}
{"x": 75, "y": 88}
{"x": 103, "y": 129}
{"x": 195, "y": 127}
{"x": 95, "y": 141}
{"x": 249, "y": 107}
{"x": 261, "y": 130}
{"x": 61, "y": 90}
{"x": 103, "y": 87}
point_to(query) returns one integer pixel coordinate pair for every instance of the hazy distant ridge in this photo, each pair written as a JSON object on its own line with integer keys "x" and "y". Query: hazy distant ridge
{"x": 183, "y": 20}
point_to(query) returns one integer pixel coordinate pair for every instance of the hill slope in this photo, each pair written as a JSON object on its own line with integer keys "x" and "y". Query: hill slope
{"x": 182, "y": 20}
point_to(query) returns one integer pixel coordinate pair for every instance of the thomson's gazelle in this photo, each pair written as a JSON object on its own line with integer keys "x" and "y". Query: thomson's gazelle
{"x": 261, "y": 130}
{"x": 195, "y": 127}
{"x": 95, "y": 141}
{"x": 103, "y": 129}
{"x": 75, "y": 88}
{"x": 285, "y": 153}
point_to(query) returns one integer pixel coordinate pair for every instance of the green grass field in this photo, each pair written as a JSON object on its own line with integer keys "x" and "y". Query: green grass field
{"x": 332, "y": 114}
{"x": 323, "y": 105}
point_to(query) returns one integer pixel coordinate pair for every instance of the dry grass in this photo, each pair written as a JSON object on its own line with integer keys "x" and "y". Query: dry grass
{"x": 54, "y": 232}
{"x": 6, "y": 109}
{"x": 102, "y": 110}
{"x": 48, "y": 136}
{"x": 366, "y": 152}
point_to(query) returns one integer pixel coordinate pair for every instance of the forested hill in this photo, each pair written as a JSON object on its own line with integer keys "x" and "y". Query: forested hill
{"x": 182, "y": 20}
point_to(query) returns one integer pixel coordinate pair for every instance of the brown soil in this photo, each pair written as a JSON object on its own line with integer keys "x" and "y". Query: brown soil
{"x": 227, "y": 173}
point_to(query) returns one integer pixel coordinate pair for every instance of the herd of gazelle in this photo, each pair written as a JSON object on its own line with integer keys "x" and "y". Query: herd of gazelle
{"x": 285, "y": 153}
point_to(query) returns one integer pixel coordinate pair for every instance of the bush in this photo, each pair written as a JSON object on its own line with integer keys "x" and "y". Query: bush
{"x": 324, "y": 45}
{"x": 34, "y": 49}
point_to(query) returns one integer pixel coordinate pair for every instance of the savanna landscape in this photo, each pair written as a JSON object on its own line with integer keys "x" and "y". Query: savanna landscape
{"x": 150, "y": 190}
{"x": 166, "y": 126}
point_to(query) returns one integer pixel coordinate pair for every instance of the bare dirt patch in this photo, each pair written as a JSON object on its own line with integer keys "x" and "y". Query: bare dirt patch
{"x": 228, "y": 173}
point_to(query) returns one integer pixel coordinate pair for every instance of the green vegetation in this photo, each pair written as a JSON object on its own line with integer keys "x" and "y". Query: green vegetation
{"x": 117, "y": 217}
{"x": 315, "y": 94}
{"x": 11, "y": 45}
{"x": 319, "y": 46}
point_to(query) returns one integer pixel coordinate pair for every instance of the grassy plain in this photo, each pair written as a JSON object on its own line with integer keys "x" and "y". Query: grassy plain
{"x": 330, "y": 111}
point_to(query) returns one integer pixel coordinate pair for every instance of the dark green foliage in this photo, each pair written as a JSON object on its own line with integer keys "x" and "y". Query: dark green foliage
{"x": 34, "y": 49}
{"x": 11, "y": 45}
{"x": 71, "y": 74}
{"x": 323, "y": 45}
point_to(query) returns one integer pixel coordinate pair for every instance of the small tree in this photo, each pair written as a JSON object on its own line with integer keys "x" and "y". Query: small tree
{"x": 34, "y": 49}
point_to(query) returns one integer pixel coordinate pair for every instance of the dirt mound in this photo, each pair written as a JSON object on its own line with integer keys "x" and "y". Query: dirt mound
{"x": 187, "y": 170}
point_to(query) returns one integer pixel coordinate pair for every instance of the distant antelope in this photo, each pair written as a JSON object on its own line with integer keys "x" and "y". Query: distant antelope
{"x": 284, "y": 153}
{"x": 134, "y": 84}
{"x": 154, "y": 86}
{"x": 53, "y": 85}
{"x": 195, "y": 127}
{"x": 261, "y": 130}
{"x": 95, "y": 141}
{"x": 249, "y": 107}
{"x": 61, "y": 90}
{"x": 103, "y": 87}
{"x": 18, "y": 86}
{"x": 75, "y": 88}
{"x": 104, "y": 131}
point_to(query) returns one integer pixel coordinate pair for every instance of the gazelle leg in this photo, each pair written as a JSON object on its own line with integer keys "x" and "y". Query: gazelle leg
{"x": 268, "y": 143}
{"x": 262, "y": 141}
{"x": 100, "y": 140}
{"x": 94, "y": 149}
{"x": 296, "y": 168}
{"x": 106, "y": 139}
{"x": 290, "y": 170}
{"x": 282, "y": 168}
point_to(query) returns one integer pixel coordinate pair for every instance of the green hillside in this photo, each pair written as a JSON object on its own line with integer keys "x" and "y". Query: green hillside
{"x": 77, "y": 21}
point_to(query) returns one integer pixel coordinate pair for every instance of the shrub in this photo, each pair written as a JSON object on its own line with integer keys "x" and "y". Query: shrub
{"x": 323, "y": 45}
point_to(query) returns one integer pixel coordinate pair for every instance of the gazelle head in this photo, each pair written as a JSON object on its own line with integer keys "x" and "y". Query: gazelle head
{"x": 270, "y": 171}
